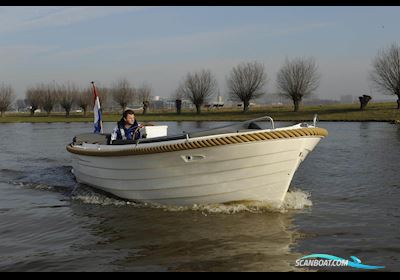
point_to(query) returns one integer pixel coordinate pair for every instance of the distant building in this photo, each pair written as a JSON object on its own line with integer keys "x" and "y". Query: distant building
{"x": 160, "y": 103}
{"x": 347, "y": 98}
{"x": 317, "y": 101}
{"x": 219, "y": 103}
{"x": 157, "y": 104}
{"x": 276, "y": 99}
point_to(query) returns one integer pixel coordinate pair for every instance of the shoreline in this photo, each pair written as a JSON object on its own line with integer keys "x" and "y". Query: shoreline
{"x": 207, "y": 120}
{"x": 375, "y": 112}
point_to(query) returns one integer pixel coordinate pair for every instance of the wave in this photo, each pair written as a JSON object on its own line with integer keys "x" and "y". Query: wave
{"x": 295, "y": 200}
{"x": 9, "y": 173}
{"x": 51, "y": 178}
{"x": 41, "y": 186}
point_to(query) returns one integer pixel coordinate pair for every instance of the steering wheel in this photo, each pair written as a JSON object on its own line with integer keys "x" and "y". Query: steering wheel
{"x": 137, "y": 130}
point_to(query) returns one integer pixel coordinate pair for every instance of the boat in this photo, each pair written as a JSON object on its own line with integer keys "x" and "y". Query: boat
{"x": 239, "y": 162}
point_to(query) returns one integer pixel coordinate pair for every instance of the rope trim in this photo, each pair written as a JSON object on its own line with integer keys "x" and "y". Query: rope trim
{"x": 224, "y": 140}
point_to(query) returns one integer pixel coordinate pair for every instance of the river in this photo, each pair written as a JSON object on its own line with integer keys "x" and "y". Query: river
{"x": 344, "y": 200}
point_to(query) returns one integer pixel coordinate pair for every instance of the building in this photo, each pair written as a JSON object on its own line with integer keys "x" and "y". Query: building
{"x": 347, "y": 98}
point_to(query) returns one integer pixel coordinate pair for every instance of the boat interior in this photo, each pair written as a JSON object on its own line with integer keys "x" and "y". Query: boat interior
{"x": 105, "y": 139}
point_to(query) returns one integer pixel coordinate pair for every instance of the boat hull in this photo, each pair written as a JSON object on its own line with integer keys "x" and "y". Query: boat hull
{"x": 260, "y": 171}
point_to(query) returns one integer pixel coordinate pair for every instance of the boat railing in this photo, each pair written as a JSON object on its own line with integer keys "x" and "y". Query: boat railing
{"x": 265, "y": 117}
{"x": 187, "y": 136}
{"x": 315, "y": 120}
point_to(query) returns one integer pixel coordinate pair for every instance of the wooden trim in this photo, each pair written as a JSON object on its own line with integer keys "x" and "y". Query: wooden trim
{"x": 195, "y": 144}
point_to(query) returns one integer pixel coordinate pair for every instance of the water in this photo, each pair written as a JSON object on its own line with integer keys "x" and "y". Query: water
{"x": 344, "y": 201}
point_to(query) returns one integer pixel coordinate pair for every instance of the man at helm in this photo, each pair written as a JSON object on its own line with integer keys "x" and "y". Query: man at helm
{"x": 127, "y": 128}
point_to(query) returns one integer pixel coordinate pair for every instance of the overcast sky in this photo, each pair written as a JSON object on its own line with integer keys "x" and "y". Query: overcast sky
{"x": 159, "y": 45}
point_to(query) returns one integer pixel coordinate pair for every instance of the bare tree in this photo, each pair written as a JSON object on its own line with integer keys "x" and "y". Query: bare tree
{"x": 364, "y": 101}
{"x": 246, "y": 82}
{"x": 178, "y": 96}
{"x": 298, "y": 78}
{"x": 386, "y": 72}
{"x": 67, "y": 95}
{"x": 123, "y": 93}
{"x": 34, "y": 98}
{"x": 21, "y": 104}
{"x": 103, "y": 93}
{"x": 144, "y": 95}
{"x": 49, "y": 97}
{"x": 199, "y": 87}
{"x": 6, "y": 98}
{"x": 85, "y": 99}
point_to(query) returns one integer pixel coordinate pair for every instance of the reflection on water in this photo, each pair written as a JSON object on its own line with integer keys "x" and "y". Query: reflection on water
{"x": 398, "y": 130}
{"x": 364, "y": 127}
{"x": 46, "y": 230}
{"x": 152, "y": 239}
{"x": 355, "y": 193}
{"x": 48, "y": 222}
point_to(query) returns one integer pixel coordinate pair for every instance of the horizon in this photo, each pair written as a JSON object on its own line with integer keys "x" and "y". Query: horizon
{"x": 160, "y": 45}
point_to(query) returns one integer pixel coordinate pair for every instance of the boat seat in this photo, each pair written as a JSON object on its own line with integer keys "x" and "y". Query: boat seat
{"x": 232, "y": 128}
{"x": 150, "y": 140}
{"x": 105, "y": 139}
{"x": 92, "y": 138}
{"x": 219, "y": 130}
{"x": 254, "y": 125}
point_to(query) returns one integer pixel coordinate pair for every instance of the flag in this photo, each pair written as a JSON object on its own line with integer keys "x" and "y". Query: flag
{"x": 98, "y": 124}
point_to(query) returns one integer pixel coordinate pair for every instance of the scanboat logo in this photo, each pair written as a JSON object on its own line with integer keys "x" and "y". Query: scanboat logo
{"x": 329, "y": 260}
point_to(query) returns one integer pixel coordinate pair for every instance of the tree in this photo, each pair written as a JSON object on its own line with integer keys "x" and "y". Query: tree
{"x": 298, "y": 78}
{"x": 178, "y": 106}
{"x": 34, "y": 98}
{"x": 84, "y": 99}
{"x": 49, "y": 97}
{"x": 144, "y": 95}
{"x": 6, "y": 98}
{"x": 178, "y": 96}
{"x": 123, "y": 93}
{"x": 364, "y": 101}
{"x": 178, "y": 102}
{"x": 246, "y": 82}
{"x": 21, "y": 104}
{"x": 67, "y": 96}
{"x": 386, "y": 72}
{"x": 103, "y": 93}
{"x": 198, "y": 87}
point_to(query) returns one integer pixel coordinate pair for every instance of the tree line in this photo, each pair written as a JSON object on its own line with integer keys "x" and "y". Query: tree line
{"x": 46, "y": 96}
{"x": 295, "y": 80}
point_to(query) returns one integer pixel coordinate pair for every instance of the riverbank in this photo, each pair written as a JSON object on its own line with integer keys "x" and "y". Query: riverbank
{"x": 382, "y": 112}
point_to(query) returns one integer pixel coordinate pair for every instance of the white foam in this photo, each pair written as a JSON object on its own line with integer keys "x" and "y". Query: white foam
{"x": 294, "y": 200}
{"x": 37, "y": 186}
{"x": 297, "y": 199}
{"x": 89, "y": 196}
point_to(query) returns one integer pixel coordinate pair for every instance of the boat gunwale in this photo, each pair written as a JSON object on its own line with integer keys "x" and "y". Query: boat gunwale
{"x": 202, "y": 142}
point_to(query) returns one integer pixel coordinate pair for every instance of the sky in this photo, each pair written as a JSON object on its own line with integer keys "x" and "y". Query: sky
{"x": 160, "y": 45}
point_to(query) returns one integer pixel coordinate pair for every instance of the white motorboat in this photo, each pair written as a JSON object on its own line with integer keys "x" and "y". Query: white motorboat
{"x": 239, "y": 162}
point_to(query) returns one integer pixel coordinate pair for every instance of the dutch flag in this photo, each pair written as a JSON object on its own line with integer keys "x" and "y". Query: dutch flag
{"x": 98, "y": 124}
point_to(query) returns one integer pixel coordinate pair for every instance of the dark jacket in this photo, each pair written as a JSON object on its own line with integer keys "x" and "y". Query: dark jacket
{"x": 122, "y": 133}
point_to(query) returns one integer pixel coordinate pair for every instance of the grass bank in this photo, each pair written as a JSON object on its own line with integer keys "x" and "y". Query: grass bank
{"x": 385, "y": 112}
